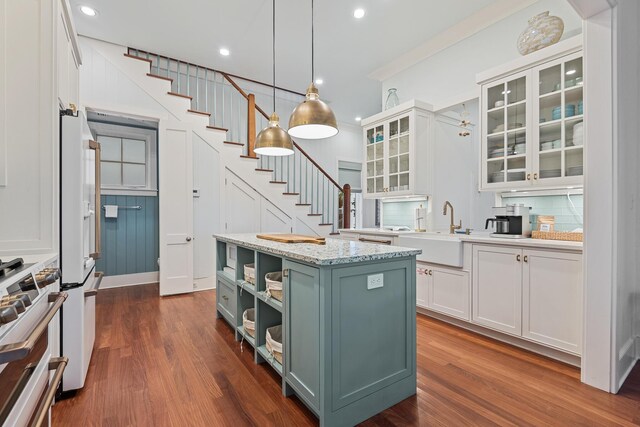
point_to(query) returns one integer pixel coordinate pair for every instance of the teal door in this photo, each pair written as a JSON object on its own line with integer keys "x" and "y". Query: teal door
{"x": 302, "y": 331}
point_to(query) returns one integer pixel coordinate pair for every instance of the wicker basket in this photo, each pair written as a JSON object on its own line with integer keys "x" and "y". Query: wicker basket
{"x": 274, "y": 285}
{"x": 250, "y": 273}
{"x": 249, "y": 321}
{"x": 274, "y": 342}
{"x": 557, "y": 235}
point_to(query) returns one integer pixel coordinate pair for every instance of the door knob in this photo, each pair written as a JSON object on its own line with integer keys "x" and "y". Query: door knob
{"x": 188, "y": 239}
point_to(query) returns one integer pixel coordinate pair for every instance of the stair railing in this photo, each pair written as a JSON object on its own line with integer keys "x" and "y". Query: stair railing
{"x": 235, "y": 109}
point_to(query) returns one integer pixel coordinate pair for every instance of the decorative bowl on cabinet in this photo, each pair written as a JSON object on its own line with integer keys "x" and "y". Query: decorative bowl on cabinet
{"x": 543, "y": 30}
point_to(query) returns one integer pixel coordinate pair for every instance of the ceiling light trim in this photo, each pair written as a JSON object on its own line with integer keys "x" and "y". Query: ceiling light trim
{"x": 464, "y": 29}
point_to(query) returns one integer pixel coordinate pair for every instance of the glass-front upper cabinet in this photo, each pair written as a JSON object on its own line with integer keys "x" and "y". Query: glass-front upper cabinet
{"x": 506, "y": 112}
{"x": 532, "y": 126}
{"x": 375, "y": 143}
{"x": 391, "y": 150}
{"x": 399, "y": 154}
{"x": 559, "y": 119}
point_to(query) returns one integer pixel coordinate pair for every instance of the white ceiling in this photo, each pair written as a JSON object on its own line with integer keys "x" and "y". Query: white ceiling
{"x": 347, "y": 49}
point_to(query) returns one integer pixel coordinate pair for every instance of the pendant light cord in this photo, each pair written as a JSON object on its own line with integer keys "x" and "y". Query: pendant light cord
{"x": 313, "y": 68}
{"x": 273, "y": 41}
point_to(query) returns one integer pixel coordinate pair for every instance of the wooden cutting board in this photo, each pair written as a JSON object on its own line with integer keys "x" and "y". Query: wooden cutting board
{"x": 292, "y": 238}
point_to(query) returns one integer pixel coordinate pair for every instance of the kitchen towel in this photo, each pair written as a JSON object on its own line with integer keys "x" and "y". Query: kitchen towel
{"x": 111, "y": 211}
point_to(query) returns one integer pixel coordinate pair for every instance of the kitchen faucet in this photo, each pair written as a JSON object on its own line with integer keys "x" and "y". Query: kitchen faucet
{"x": 452, "y": 226}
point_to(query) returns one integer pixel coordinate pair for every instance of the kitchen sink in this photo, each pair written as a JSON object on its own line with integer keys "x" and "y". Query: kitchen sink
{"x": 437, "y": 248}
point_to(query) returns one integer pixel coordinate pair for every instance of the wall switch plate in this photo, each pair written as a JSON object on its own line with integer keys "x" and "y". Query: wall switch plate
{"x": 196, "y": 192}
{"x": 375, "y": 281}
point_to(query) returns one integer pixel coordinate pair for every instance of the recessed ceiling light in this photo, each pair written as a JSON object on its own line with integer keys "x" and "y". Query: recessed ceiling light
{"x": 358, "y": 118}
{"x": 87, "y": 10}
{"x": 224, "y": 51}
{"x": 569, "y": 72}
{"x": 358, "y": 13}
{"x": 319, "y": 81}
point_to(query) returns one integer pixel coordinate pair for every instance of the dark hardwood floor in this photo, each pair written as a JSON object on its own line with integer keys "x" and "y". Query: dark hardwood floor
{"x": 169, "y": 362}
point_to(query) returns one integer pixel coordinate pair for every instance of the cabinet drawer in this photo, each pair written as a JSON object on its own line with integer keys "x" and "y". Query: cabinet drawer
{"x": 226, "y": 301}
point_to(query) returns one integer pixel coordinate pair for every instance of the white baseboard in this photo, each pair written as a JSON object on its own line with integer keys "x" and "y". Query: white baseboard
{"x": 567, "y": 358}
{"x": 129, "y": 280}
{"x": 204, "y": 284}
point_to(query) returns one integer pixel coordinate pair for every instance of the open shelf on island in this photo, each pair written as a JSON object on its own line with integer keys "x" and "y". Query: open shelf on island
{"x": 262, "y": 351}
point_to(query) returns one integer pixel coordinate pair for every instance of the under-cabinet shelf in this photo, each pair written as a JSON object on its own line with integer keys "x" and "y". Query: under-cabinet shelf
{"x": 262, "y": 350}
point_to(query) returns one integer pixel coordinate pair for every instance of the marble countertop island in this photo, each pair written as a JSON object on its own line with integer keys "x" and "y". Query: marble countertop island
{"x": 335, "y": 251}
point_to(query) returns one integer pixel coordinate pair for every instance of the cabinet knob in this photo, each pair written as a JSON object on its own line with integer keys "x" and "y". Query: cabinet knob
{"x": 430, "y": 272}
{"x": 518, "y": 257}
{"x": 188, "y": 239}
{"x": 526, "y": 258}
{"x": 528, "y": 177}
{"x": 535, "y": 176}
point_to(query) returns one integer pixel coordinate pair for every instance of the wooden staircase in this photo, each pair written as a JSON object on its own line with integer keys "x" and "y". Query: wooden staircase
{"x": 299, "y": 175}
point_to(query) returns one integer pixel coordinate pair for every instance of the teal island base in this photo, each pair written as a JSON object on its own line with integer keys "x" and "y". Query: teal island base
{"x": 348, "y": 316}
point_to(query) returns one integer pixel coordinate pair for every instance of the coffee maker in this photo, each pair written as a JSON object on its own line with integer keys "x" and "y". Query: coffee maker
{"x": 511, "y": 221}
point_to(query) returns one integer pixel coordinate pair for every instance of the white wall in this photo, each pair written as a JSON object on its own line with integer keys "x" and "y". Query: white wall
{"x": 626, "y": 108}
{"x": 449, "y": 77}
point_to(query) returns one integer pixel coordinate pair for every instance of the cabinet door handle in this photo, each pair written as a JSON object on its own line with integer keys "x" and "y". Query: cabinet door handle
{"x": 430, "y": 272}
{"x": 285, "y": 272}
{"x": 526, "y": 258}
{"x": 518, "y": 257}
{"x": 224, "y": 297}
{"x": 528, "y": 177}
{"x": 535, "y": 176}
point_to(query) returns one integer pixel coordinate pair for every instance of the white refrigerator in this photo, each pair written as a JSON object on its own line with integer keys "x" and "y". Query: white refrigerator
{"x": 79, "y": 243}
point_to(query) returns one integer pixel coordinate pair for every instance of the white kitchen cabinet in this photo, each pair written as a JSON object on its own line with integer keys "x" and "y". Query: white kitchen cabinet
{"x": 398, "y": 144}
{"x": 445, "y": 290}
{"x": 68, "y": 59}
{"x": 535, "y": 294}
{"x": 497, "y": 288}
{"x": 552, "y": 299}
{"x": 422, "y": 286}
{"x": 531, "y": 115}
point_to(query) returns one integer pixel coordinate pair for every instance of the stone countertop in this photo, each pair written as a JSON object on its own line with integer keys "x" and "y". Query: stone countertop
{"x": 335, "y": 251}
{"x": 376, "y": 231}
{"x": 528, "y": 242}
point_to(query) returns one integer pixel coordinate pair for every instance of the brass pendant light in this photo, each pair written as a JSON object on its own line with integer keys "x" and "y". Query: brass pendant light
{"x": 273, "y": 140}
{"x": 312, "y": 119}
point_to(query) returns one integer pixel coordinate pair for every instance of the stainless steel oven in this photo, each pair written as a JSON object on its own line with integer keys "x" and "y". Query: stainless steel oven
{"x": 29, "y": 373}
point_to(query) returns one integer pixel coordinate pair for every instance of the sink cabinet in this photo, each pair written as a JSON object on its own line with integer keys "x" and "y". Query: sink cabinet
{"x": 533, "y": 294}
{"x": 398, "y": 144}
{"x": 445, "y": 290}
{"x": 531, "y": 120}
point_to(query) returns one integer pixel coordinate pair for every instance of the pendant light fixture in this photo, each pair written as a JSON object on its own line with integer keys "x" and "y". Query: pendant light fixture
{"x": 312, "y": 119}
{"x": 273, "y": 140}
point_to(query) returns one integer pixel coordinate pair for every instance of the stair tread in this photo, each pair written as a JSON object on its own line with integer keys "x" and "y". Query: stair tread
{"x": 291, "y": 194}
{"x": 234, "y": 143}
{"x": 169, "y": 79}
{"x": 334, "y": 234}
{"x": 180, "y": 95}
{"x": 204, "y": 113}
{"x": 303, "y": 204}
{"x": 328, "y": 223}
{"x": 278, "y": 182}
{"x": 249, "y": 157}
{"x": 314, "y": 214}
{"x": 137, "y": 57}
{"x": 218, "y": 128}
{"x": 264, "y": 170}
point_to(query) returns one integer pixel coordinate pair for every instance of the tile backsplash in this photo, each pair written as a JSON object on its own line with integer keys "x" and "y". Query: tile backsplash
{"x": 400, "y": 213}
{"x": 567, "y": 218}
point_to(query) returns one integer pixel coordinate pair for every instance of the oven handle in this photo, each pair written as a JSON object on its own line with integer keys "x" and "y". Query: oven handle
{"x": 96, "y": 285}
{"x": 41, "y": 415}
{"x": 17, "y": 351}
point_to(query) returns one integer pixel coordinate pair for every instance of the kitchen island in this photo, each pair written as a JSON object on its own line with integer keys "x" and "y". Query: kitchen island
{"x": 348, "y": 316}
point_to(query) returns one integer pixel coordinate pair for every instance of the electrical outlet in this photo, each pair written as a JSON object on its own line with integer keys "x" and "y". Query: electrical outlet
{"x": 375, "y": 281}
